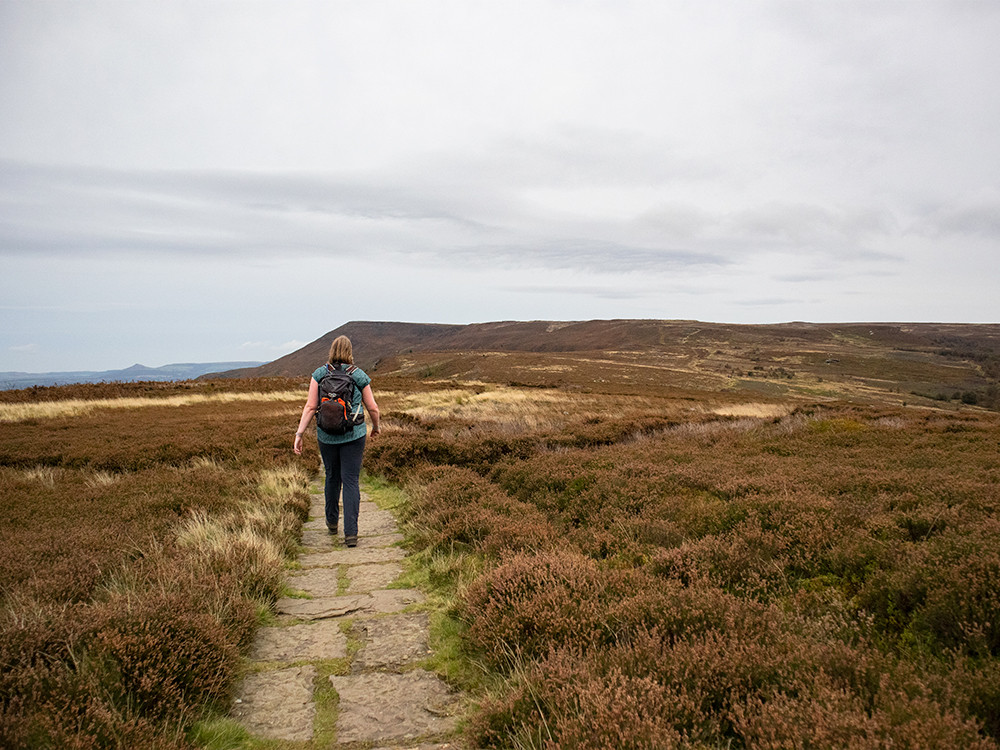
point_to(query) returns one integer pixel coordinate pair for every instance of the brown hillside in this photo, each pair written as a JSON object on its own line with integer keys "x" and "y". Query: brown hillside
{"x": 376, "y": 341}
{"x": 872, "y": 361}
{"x": 372, "y": 342}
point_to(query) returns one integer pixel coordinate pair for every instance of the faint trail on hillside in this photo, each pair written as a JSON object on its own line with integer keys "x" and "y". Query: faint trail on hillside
{"x": 386, "y": 699}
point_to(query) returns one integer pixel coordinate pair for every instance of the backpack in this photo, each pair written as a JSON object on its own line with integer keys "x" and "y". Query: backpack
{"x": 336, "y": 391}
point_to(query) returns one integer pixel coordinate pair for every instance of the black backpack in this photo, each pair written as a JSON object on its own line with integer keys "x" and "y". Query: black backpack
{"x": 336, "y": 392}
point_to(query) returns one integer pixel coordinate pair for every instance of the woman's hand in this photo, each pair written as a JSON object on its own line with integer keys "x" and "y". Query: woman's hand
{"x": 297, "y": 445}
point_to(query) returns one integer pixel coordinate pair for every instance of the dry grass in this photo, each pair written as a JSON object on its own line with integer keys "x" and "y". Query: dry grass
{"x": 761, "y": 410}
{"x": 100, "y": 479}
{"x": 44, "y": 475}
{"x": 498, "y": 405}
{"x": 20, "y": 412}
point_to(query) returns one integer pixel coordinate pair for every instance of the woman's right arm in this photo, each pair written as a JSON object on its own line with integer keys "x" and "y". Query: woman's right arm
{"x": 369, "y": 398}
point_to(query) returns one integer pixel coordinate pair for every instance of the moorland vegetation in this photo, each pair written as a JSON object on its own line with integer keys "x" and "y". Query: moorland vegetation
{"x": 144, "y": 530}
{"x": 645, "y": 547}
{"x": 641, "y": 560}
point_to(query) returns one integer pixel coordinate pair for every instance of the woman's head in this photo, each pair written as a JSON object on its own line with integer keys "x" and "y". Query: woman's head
{"x": 340, "y": 351}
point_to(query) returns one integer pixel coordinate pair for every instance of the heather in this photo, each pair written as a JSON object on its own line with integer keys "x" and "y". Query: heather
{"x": 625, "y": 555}
{"x": 656, "y": 574}
{"x": 141, "y": 544}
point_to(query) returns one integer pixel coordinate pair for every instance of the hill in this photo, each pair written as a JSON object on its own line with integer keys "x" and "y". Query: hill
{"x": 939, "y": 362}
{"x": 133, "y": 374}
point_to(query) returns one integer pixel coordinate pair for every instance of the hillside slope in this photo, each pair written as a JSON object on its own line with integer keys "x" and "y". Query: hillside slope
{"x": 871, "y": 361}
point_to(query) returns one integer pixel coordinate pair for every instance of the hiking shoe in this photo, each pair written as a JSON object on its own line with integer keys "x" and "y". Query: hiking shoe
{"x": 332, "y": 530}
{"x": 351, "y": 541}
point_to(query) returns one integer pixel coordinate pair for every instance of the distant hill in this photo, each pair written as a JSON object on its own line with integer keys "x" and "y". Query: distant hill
{"x": 378, "y": 342}
{"x": 372, "y": 342}
{"x": 135, "y": 373}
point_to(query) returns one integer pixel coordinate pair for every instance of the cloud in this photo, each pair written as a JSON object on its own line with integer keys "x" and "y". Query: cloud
{"x": 630, "y": 159}
{"x": 769, "y": 302}
{"x": 603, "y": 292}
{"x": 80, "y": 211}
{"x": 974, "y": 219}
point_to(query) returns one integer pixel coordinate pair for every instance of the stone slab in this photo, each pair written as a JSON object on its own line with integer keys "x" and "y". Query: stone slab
{"x": 316, "y": 540}
{"x": 321, "y": 640}
{"x": 373, "y": 522}
{"x": 389, "y": 601}
{"x": 277, "y": 705}
{"x": 352, "y": 556}
{"x": 363, "y": 578}
{"x": 320, "y": 541}
{"x": 395, "y": 641}
{"x": 325, "y": 608}
{"x": 367, "y": 541}
{"x": 318, "y": 582}
{"x": 381, "y": 707}
{"x": 386, "y": 601}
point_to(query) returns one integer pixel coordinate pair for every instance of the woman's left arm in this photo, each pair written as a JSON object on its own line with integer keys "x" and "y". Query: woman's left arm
{"x": 312, "y": 403}
{"x": 369, "y": 400}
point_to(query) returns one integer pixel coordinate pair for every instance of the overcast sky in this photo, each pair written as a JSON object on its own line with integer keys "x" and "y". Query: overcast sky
{"x": 207, "y": 181}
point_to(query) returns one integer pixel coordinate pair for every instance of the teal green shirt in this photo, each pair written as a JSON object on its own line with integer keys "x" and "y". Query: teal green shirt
{"x": 361, "y": 379}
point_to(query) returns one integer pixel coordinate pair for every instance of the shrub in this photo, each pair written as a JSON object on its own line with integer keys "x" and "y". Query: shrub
{"x": 458, "y": 508}
{"x": 165, "y": 654}
{"x": 532, "y": 603}
{"x": 798, "y": 582}
{"x": 133, "y": 567}
{"x": 943, "y": 593}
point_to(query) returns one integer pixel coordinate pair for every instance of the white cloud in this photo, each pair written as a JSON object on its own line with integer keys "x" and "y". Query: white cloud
{"x": 198, "y": 165}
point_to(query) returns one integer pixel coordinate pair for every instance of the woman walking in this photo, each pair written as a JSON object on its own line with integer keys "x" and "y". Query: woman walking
{"x": 341, "y": 453}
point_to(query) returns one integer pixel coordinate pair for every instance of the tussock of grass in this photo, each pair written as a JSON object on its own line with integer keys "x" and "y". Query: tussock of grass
{"x": 220, "y": 733}
{"x": 100, "y": 479}
{"x": 44, "y": 475}
{"x": 281, "y": 482}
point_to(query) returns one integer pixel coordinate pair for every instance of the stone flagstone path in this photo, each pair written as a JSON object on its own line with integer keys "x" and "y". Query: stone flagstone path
{"x": 386, "y": 700}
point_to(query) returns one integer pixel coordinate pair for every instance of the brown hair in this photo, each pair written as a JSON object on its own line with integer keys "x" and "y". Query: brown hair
{"x": 341, "y": 352}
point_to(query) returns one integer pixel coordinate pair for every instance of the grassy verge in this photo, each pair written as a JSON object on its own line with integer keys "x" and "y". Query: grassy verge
{"x": 441, "y": 577}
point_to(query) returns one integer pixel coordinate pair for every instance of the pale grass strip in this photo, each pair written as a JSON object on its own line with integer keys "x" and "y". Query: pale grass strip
{"x": 75, "y": 407}
{"x": 495, "y": 403}
{"x": 762, "y": 410}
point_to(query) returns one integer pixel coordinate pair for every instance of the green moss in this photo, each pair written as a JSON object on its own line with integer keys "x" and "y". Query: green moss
{"x": 384, "y": 494}
{"x": 327, "y": 701}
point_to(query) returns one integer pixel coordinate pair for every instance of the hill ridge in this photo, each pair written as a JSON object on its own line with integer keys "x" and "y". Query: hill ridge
{"x": 376, "y": 341}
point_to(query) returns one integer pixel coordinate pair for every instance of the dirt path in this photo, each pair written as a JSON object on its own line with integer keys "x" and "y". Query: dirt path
{"x": 384, "y": 698}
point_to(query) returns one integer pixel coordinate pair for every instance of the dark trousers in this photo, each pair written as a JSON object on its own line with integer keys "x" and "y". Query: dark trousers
{"x": 342, "y": 462}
